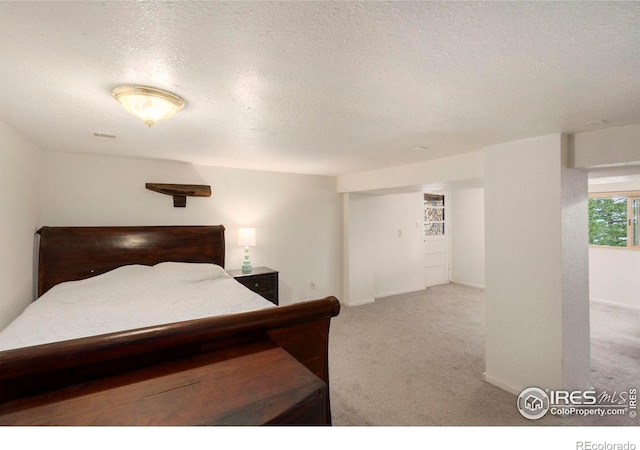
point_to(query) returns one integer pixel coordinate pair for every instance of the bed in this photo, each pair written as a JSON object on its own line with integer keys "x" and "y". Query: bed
{"x": 277, "y": 354}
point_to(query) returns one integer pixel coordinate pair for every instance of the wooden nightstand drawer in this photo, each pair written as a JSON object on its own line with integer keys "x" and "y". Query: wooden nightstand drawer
{"x": 259, "y": 283}
{"x": 261, "y": 280}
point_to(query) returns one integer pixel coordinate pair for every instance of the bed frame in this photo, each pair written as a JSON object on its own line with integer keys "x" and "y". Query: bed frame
{"x": 74, "y": 253}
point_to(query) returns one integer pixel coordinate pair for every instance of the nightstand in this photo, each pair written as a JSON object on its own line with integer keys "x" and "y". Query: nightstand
{"x": 261, "y": 280}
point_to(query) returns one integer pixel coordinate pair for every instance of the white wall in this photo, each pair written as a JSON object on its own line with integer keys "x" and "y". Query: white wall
{"x": 614, "y": 276}
{"x": 19, "y": 220}
{"x": 399, "y": 247}
{"x": 607, "y": 147}
{"x": 537, "y": 299}
{"x": 297, "y": 217}
{"x": 359, "y": 251}
{"x": 468, "y": 166}
{"x": 467, "y": 236}
{"x": 383, "y": 252}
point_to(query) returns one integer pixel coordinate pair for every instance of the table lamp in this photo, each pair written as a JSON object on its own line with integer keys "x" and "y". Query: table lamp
{"x": 246, "y": 238}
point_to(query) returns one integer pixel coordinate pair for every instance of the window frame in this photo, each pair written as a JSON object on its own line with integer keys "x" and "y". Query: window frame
{"x": 443, "y": 222}
{"x": 630, "y": 196}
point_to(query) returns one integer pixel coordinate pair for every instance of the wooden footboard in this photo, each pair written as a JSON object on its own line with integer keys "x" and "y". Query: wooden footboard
{"x": 301, "y": 329}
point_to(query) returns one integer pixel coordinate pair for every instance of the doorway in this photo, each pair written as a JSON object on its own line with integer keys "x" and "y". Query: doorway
{"x": 436, "y": 239}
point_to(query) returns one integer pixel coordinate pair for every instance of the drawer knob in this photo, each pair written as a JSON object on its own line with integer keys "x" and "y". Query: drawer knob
{"x": 256, "y": 285}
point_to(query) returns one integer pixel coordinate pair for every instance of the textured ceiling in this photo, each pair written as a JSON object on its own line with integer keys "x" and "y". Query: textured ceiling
{"x": 317, "y": 87}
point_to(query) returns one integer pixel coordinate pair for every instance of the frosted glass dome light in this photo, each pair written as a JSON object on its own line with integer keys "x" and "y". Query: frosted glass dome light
{"x": 150, "y": 104}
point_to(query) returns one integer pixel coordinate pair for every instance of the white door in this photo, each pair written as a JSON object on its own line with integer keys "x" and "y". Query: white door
{"x": 436, "y": 239}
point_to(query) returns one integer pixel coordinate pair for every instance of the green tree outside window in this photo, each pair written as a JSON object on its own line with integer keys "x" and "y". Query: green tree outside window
{"x": 608, "y": 221}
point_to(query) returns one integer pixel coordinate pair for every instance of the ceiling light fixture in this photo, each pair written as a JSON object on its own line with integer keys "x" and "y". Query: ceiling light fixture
{"x": 150, "y": 104}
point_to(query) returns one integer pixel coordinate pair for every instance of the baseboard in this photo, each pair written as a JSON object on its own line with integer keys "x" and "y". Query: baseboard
{"x": 478, "y": 286}
{"x": 439, "y": 284}
{"x": 361, "y": 302}
{"x": 617, "y": 305}
{"x": 406, "y": 291}
{"x": 502, "y": 385}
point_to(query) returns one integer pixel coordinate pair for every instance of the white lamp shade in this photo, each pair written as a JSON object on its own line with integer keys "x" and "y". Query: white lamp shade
{"x": 247, "y": 237}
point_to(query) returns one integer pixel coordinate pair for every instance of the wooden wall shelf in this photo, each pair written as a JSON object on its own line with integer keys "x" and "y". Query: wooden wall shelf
{"x": 180, "y": 192}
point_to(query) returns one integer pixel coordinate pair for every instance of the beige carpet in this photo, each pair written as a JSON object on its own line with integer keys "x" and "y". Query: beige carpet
{"x": 417, "y": 359}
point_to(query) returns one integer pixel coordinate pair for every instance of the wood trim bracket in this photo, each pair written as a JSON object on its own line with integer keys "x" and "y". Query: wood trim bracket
{"x": 180, "y": 192}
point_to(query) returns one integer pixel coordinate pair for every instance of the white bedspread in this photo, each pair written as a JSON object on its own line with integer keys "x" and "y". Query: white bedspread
{"x": 127, "y": 298}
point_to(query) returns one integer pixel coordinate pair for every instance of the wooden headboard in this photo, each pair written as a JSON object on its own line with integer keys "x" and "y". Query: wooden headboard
{"x": 76, "y": 253}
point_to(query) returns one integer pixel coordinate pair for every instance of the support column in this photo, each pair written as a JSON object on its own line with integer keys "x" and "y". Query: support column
{"x": 537, "y": 278}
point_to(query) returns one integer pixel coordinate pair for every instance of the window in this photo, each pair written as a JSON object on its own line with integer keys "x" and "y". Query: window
{"x": 613, "y": 219}
{"x": 433, "y": 215}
